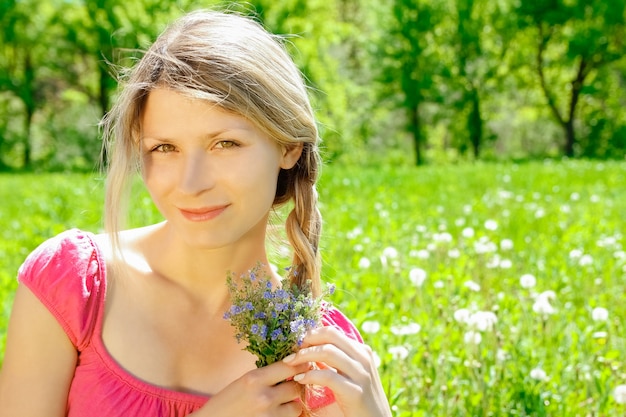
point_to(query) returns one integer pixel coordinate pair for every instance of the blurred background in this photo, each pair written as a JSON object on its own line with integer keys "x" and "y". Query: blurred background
{"x": 394, "y": 82}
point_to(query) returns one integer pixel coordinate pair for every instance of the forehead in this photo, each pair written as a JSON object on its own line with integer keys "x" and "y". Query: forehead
{"x": 166, "y": 109}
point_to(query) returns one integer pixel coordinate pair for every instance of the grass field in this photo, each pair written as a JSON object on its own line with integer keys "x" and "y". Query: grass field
{"x": 484, "y": 289}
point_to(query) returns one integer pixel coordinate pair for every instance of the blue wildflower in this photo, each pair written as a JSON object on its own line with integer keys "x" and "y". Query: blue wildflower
{"x": 331, "y": 289}
{"x": 263, "y": 331}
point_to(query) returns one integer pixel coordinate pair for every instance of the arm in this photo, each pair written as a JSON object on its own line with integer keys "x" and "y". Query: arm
{"x": 39, "y": 361}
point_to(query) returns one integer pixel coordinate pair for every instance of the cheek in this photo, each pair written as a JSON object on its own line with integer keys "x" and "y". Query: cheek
{"x": 157, "y": 177}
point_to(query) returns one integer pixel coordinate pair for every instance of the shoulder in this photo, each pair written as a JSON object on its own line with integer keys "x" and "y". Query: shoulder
{"x": 69, "y": 250}
{"x": 66, "y": 273}
{"x": 334, "y": 317}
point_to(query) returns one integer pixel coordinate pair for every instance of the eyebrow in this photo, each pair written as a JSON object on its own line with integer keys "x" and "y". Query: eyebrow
{"x": 206, "y": 136}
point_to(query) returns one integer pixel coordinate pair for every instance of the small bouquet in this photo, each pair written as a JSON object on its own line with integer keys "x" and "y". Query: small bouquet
{"x": 273, "y": 321}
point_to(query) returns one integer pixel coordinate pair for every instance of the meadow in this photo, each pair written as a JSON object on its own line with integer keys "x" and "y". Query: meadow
{"x": 485, "y": 289}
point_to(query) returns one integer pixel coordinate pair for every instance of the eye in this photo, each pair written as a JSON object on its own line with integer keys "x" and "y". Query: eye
{"x": 226, "y": 144}
{"x": 163, "y": 148}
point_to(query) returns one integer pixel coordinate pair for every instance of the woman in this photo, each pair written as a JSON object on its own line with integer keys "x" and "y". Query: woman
{"x": 216, "y": 119}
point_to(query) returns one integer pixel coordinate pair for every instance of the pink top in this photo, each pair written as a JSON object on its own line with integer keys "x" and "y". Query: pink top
{"x": 67, "y": 273}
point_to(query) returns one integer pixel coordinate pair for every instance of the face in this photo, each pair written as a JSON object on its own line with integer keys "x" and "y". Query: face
{"x": 211, "y": 173}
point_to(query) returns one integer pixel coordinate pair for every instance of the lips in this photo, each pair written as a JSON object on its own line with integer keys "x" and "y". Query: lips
{"x": 203, "y": 213}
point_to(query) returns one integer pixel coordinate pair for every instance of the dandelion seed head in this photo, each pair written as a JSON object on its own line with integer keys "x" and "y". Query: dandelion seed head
{"x": 390, "y": 252}
{"x": 472, "y": 337}
{"x": 506, "y": 264}
{"x": 405, "y": 330}
{"x": 585, "y": 260}
{"x": 600, "y": 314}
{"x": 461, "y": 315}
{"x": 575, "y": 253}
{"x": 538, "y": 374}
{"x": 491, "y": 225}
{"x": 482, "y": 321}
{"x": 399, "y": 352}
{"x": 443, "y": 237}
{"x": 542, "y": 303}
{"x": 620, "y": 394}
{"x": 417, "y": 276}
{"x": 364, "y": 263}
{"x": 473, "y": 286}
{"x": 528, "y": 281}
{"x": 370, "y": 327}
{"x": 506, "y": 244}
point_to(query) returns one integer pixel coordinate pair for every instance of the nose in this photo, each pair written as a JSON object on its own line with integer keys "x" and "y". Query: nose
{"x": 197, "y": 174}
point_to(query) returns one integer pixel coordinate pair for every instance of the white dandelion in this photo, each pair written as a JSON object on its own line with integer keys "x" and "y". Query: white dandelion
{"x": 417, "y": 276}
{"x": 528, "y": 281}
{"x": 370, "y": 327}
{"x": 600, "y": 314}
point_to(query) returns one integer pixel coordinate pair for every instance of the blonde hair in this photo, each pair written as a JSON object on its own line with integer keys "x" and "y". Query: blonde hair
{"x": 232, "y": 61}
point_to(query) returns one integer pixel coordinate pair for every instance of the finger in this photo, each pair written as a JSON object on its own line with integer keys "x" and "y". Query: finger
{"x": 341, "y": 386}
{"x": 327, "y": 356}
{"x": 290, "y": 409}
{"x": 332, "y": 347}
{"x": 286, "y": 392}
{"x": 331, "y": 335}
{"x": 275, "y": 373}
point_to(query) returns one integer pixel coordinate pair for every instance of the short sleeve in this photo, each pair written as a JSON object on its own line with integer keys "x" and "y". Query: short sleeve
{"x": 335, "y": 318}
{"x": 65, "y": 273}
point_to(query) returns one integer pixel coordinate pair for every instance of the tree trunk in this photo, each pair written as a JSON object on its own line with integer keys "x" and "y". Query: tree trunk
{"x": 416, "y": 129}
{"x": 475, "y": 124}
{"x": 577, "y": 86}
{"x": 28, "y": 98}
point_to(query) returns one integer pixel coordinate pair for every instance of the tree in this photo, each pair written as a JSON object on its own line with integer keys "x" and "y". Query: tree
{"x": 480, "y": 41}
{"x": 22, "y": 48}
{"x": 574, "y": 38}
{"x": 408, "y": 63}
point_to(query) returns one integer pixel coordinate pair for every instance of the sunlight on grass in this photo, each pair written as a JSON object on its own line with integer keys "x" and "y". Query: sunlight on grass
{"x": 484, "y": 290}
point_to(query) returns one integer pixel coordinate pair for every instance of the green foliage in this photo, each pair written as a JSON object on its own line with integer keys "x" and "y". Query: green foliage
{"x": 409, "y": 248}
{"x": 406, "y": 81}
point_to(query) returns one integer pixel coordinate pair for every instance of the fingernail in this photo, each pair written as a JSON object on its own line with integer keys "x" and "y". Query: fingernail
{"x": 298, "y": 377}
{"x": 289, "y": 358}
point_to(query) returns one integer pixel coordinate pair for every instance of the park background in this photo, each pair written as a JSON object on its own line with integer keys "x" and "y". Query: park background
{"x": 473, "y": 193}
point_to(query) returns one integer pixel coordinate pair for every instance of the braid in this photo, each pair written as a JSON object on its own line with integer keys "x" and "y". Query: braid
{"x": 304, "y": 226}
{"x": 304, "y": 222}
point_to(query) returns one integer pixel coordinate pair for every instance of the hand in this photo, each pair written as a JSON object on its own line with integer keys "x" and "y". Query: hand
{"x": 347, "y": 368}
{"x": 262, "y": 392}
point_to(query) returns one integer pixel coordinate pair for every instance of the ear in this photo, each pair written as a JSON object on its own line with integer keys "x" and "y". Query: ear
{"x": 291, "y": 154}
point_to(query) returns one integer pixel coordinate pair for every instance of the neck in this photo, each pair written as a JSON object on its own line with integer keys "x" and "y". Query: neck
{"x": 202, "y": 272}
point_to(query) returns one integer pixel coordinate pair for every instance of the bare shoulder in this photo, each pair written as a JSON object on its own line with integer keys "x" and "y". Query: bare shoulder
{"x": 127, "y": 246}
{"x": 39, "y": 361}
